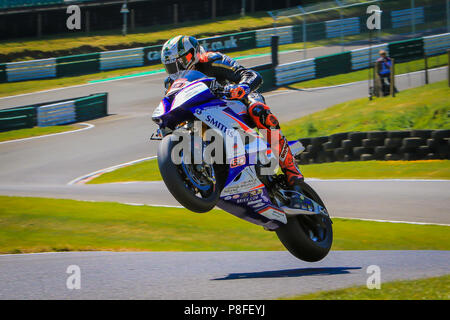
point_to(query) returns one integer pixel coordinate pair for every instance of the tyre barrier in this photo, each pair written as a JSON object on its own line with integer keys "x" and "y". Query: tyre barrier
{"x": 377, "y": 145}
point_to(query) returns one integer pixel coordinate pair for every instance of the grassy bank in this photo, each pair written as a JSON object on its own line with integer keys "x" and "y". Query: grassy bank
{"x": 13, "y": 88}
{"x": 424, "y": 107}
{"x": 424, "y": 169}
{"x": 36, "y": 131}
{"x": 437, "y": 288}
{"x": 78, "y": 43}
{"x": 39, "y": 225}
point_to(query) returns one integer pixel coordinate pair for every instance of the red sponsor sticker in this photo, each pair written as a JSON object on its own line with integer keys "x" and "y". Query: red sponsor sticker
{"x": 237, "y": 162}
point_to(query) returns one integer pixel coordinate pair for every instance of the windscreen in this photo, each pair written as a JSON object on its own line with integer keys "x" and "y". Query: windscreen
{"x": 182, "y": 78}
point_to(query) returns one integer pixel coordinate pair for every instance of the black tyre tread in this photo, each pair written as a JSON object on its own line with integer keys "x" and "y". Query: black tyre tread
{"x": 367, "y": 157}
{"x": 413, "y": 142}
{"x": 318, "y": 141}
{"x": 338, "y": 137}
{"x": 372, "y": 143}
{"x": 378, "y": 135}
{"x": 348, "y": 144}
{"x": 358, "y": 151}
{"x": 357, "y": 136}
{"x": 399, "y": 134}
{"x": 440, "y": 134}
{"x": 393, "y": 156}
{"x": 175, "y": 184}
{"x": 305, "y": 141}
{"x": 297, "y": 242}
{"x": 392, "y": 142}
{"x": 424, "y": 134}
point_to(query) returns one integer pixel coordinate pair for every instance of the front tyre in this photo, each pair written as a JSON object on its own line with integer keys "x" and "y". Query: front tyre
{"x": 307, "y": 237}
{"x": 193, "y": 189}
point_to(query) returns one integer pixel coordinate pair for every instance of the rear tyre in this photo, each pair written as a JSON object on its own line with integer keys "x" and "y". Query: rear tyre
{"x": 307, "y": 237}
{"x": 189, "y": 187}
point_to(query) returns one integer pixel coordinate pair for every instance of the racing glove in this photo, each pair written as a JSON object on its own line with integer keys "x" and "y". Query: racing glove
{"x": 237, "y": 91}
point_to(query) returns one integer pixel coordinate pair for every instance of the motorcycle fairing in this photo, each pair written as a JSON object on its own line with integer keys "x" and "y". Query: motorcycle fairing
{"x": 244, "y": 195}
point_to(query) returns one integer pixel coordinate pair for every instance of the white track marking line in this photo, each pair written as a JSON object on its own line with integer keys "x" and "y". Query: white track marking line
{"x": 396, "y": 221}
{"x": 45, "y": 91}
{"x": 348, "y": 218}
{"x": 78, "y": 86}
{"x": 88, "y": 126}
{"x": 85, "y": 178}
{"x": 158, "y": 73}
{"x": 378, "y": 180}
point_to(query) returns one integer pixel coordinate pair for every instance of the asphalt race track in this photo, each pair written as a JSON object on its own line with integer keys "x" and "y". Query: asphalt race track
{"x": 205, "y": 275}
{"x": 43, "y": 167}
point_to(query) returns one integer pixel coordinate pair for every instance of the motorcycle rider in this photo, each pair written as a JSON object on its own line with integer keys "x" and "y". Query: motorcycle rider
{"x": 185, "y": 53}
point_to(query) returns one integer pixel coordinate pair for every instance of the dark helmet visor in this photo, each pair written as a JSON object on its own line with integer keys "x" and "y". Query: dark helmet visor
{"x": 186, "y": 60}
{"x": 171, "y": 68}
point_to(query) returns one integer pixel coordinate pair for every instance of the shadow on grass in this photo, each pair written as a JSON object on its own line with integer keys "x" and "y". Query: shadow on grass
{"x": 289, "y": 273}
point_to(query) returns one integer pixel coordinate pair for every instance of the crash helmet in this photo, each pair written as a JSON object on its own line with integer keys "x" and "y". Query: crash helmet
{"x": 180, "y": 53}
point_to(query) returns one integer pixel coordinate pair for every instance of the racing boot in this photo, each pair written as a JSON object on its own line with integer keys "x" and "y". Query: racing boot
{"x": 265, "y": 120}
{"x": 294, "y": 178}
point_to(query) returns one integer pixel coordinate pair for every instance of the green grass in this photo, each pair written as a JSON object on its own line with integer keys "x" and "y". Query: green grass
{"x": 400, "y": 68}
{"x": 424, "y": 107}
{"x": 102, "y": 42}
{"x": 143, "y": 171}
{"x": 423, "y": 169}
{"x": 437, "y": 288}
{"x": 79, "y": 43}
{"x": 34, "y": 132}
{"x": 58, "y": 45}
{"x": 39, "y": 225}
{"x": 13, "y": 88}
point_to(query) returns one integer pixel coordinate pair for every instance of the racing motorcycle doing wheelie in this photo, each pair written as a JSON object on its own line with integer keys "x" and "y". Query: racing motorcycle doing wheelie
{"x": 210, "y": 156}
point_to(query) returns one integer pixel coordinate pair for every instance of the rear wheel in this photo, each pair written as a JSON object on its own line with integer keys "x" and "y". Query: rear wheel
{"x": 193, "y": 185}
{"x": 307, "y": 237}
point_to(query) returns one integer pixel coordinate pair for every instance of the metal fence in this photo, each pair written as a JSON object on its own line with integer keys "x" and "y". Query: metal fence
{"x": 360, "y": 58}
{"x": 402, "y": 20}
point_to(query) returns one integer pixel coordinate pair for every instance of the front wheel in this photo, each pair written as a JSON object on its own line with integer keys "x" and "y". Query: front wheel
{"x": 193, "y": 185}
{"x": 307, "y": 237}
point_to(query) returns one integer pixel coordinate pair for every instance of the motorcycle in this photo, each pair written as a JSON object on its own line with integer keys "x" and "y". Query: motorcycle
{"x": 238, "y": 184}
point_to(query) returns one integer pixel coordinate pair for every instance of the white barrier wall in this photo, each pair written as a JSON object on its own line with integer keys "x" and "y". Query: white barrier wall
{"x": 263, "y": 36}
{"x": 436, "y": 44}
{"x": 121, "y": 59}
{"x": 305, "y": 69}
{"x": 348, "y": 26}
{"x": 360, "y": 57}
{"x": 56, "y": 114}
{"x": 295, "y": 72}
{"x": 403, "y": 18}
{"x": 35, "y": 69}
